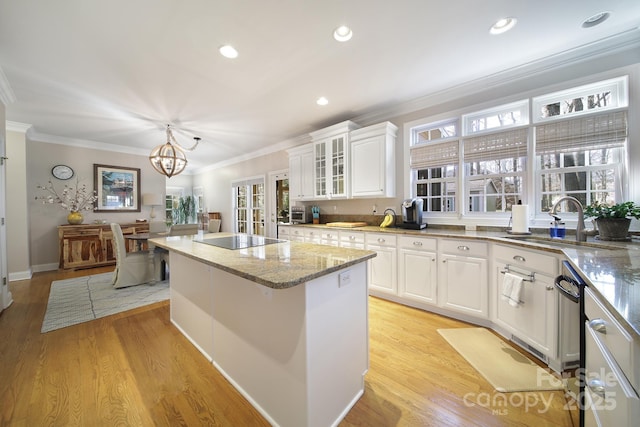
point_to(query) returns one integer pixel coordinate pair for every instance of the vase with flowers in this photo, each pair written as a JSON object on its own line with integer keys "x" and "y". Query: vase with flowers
{"x": 73, "y": 199}
{"x": 613, "y": 219}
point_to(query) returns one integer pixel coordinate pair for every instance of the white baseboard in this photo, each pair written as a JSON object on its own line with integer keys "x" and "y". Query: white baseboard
{"x": 20, "y": 275}
{"x": 44, "y": 267}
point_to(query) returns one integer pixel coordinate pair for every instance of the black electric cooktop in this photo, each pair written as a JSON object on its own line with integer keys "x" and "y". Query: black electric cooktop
{"x": 241, "y": 241}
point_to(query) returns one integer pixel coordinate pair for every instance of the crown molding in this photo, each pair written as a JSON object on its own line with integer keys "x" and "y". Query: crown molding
{"x": 6, "y": 92}
{"x": 34, "y": 135}
{"x": 626, "y": 41}
{"x": 270, "y": 149}
{"x": 17, "y": 126}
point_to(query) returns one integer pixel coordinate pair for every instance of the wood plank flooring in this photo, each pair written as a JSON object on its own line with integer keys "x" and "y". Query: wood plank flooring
{"x": 136, "y": 369}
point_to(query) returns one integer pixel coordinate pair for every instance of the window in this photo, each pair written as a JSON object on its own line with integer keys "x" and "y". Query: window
{"x": 495, "y": 170}
{"x": 605, "y": 95}
{"x": 434, "y": 166}
{"x": 248, "y": 197}
{"x": 582, "y": 157}
{"x": 576, "y": 146}
{"x": 502, "y": 117}
{"x": 172, "y": 199}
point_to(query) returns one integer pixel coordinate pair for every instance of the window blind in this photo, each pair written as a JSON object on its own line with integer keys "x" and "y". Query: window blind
{"x": 495, "y": 146}
{"x": 432, "y": 155}
{"x": 593, "y": 132}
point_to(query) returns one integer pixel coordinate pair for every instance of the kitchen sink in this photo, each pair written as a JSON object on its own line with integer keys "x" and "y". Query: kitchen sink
{"x": 561, "y": 242}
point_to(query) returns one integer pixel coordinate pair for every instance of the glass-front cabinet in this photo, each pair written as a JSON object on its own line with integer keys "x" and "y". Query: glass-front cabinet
{"x": 331, "y": 151}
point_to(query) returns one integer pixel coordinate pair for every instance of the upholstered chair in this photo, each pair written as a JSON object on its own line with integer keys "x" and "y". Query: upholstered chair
{"x": 214, "y": 225}
{"x": 183, "y": 229}
{"x": 132, "y": 268}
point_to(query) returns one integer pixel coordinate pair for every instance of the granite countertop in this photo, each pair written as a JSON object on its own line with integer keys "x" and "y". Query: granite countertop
{"x": 611, "y": 269}
{"x": 278, "y": 266}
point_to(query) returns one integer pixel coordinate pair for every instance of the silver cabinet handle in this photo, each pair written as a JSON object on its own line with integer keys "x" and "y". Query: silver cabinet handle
{"x": 550, "y": 288}
{"x": 417, "y": 243}
{"x": 463, "y": 248}
{"x": 598, "y": 325}
{"x": 352, "y": 237}
{"x": 380, "y": 240}
{"x": 519, "y": 258}
{"x": 597, "y": 387}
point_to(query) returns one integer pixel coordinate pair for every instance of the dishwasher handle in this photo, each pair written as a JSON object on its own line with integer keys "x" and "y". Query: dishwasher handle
{"x": 568, "y": 287}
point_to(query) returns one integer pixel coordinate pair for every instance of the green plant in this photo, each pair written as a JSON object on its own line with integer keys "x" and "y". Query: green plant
{"x": 620, "y": 210}
{"x": 185, "y": 212}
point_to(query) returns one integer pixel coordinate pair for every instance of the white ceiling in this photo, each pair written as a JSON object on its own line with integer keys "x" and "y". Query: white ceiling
{"x": 116, "y": 72}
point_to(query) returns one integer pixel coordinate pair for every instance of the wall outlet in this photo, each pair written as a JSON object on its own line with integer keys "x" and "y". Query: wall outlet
{"x": 344, "y": 279}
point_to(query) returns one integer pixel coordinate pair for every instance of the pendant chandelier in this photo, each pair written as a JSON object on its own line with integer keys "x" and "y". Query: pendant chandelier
{"x": 169, "y": 159}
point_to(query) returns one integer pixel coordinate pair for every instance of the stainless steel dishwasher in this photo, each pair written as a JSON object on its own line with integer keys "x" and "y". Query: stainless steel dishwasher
{"x": 571, "y": 286}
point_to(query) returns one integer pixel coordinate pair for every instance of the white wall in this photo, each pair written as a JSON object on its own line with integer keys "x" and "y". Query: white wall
{"x": 17, "y": 222}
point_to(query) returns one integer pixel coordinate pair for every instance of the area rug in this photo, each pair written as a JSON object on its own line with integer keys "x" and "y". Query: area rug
{"x": 504, "y": 367}
{"x": 78, "y": 300}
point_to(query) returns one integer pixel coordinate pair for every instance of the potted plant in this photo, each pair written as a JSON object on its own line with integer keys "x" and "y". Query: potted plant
{"x": 613, "y": 220}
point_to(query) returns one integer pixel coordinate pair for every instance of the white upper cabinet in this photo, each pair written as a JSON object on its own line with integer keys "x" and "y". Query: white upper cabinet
{"x": 331, "y": 161}
{"x": 373, "y": 161}
{"x": 301, "y": 173}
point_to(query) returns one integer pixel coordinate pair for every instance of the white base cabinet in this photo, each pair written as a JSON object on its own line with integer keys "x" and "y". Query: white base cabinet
{"x": 463, "y": 284}
{"x": 383, "y": 268}
{"x": 417, "y": 269}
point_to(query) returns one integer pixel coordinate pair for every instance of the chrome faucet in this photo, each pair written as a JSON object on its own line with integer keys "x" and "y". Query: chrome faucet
{"x": 581, "y": 235}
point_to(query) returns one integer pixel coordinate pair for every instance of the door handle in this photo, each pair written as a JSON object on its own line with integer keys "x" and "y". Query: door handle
{"x": 597, "y": 387}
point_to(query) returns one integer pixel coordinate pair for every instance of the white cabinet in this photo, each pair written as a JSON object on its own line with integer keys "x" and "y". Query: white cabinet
{"x": 373, "y": 161}
{"x": 611, "y": 369}
{"x": 417, "y": 269}
{"x": 463, "y": 282}
{"x": 535, "y": 320}
{"x": 330, "y": 237}
{"x": 383, "y": 268}
{"x": 331, "y": 161}
{"x": 312, "y": 235}
{"x": 301, "y": 172}
{"x": 296, "y": 234}
{"x": 351, "y": 239}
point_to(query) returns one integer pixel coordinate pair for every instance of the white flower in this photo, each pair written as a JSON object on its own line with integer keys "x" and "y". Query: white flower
{"x": 73, "y": 199}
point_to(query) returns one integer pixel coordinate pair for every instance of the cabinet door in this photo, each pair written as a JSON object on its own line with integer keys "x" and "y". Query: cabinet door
{"x": 417, "y": 275}
{"x": 463, "y": 285}
{"x": 330, "y": 167}
{"x": 81, "y": 248}
{"x": 301, "y": 175}
{"x": 535, "y": 320}
{"x": 383, "y": 269}
{"x": 368, "y": 171}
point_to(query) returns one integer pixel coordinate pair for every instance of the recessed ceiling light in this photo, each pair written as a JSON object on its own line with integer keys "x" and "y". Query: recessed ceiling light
{"x": 228, "y": 51}
{"x": 503, "y": 25}
{"x": 322, "y": 101}
{"x": 343, "y": 33}
{"x": 596, "y": 19}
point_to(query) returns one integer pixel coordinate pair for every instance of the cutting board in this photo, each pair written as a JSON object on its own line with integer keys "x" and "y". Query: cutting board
{"x": 346, "y": 224}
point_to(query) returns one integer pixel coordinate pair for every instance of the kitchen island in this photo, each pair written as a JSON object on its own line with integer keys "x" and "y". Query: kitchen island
{"x": 284, "y": 322}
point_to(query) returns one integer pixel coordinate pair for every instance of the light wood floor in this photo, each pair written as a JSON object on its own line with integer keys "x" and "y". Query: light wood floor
{"x": 136, "y": 369}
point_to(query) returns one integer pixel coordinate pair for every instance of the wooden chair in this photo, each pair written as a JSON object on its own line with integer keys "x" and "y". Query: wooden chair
{"x": 132, "y": 268}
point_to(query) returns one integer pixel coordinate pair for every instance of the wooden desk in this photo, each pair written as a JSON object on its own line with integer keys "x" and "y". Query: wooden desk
{"x": 91, "y": 245}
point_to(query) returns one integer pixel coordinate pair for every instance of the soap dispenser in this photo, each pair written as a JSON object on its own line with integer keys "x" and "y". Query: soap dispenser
{"x": 557, "y": 229}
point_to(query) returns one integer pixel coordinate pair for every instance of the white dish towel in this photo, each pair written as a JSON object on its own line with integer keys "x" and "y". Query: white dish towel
{"x": 511, "y": 289}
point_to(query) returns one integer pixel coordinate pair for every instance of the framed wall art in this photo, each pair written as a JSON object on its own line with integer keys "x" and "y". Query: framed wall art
{"x": 117, "y": 187}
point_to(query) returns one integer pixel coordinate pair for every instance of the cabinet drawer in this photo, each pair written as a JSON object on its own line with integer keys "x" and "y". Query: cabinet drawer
{"x": 464, "y": 247}
{"x": 330, "y": 236}
{"x": 528, "y": 260}
{"x": 609, "y": 332}
{"x": 417, "y": 243}
{"x": 296, "y": 232}
{"x": 351, "y": 236}
{"x": 283, "y": 232}
{"x": 613, "y": 401}
{"x": 379, "y": 239}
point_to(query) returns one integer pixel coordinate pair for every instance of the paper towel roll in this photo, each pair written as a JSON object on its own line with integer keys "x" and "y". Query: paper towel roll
{"x": 520, "y": 218}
